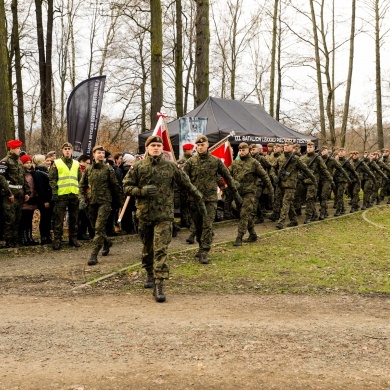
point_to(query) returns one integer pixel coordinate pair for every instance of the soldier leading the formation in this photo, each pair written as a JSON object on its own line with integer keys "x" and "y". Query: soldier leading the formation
{"x": 151, "y": 181}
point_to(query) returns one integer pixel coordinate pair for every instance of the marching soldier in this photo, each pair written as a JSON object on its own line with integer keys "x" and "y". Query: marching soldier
{"x": 203, "y": 169}
{"x": 245, "y": 171}
{"x": 315, "y": 163}
{"x": 285, "y": 174}
{"x": 379, "y": 168}
{"x": 15, "y": 192}
{"x": 99, "y": 188}
{"x": 64, "y": 177}
{"x": 151, "y": 181}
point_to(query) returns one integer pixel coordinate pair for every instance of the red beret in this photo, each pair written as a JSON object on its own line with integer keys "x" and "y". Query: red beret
{"x": 15, "y": 143}
{"x": 188, "y": 147}
{"x": 25, "y": 158}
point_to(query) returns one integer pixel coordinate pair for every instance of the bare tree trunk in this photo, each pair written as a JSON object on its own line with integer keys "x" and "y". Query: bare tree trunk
{"x": 45, "y": 72}
{"x": 319, "y": 78}
{"x": 6, "y": 118}
{"x": 18, "y": 71}
{"x": 202, "y": 53}
{"x": 349, "y": 79}
{"x": 378, "y": 82}
{"x": 273, "y": 59}
{"x": 179, "y": 61}
{"x": 156, "y": 60}
{"x": 279, "y": 65}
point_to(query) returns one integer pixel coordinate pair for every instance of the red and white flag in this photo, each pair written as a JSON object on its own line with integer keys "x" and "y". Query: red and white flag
{"x": 161, "y": 130}
{"x": 223, "y": 152}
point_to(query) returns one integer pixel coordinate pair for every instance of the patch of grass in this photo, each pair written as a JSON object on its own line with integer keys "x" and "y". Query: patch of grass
{"x": 346, "y": 255}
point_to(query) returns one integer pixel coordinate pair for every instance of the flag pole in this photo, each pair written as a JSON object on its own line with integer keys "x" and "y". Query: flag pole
{"x": 164, "y": 117}
{"x": 223, "y": 140}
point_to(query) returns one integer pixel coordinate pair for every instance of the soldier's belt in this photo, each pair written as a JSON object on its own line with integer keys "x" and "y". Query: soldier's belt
{"x": 15, "y": 187}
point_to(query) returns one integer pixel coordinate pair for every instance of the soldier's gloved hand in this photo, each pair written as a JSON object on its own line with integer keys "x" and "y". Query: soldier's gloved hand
{"x": 54, "y": 198}
{"x": 82, "y": 204}
{"x": 202, "y": 209}
{"x": 271, "y": 195}
{"x": 333, "y": 185}
{"x": 150, "y": 190}
{"x": 238, "y": 199}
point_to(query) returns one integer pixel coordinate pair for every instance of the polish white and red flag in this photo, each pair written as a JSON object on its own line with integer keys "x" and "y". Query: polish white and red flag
{"x": 223, "y": 152}
{"x": 161, "y": 130}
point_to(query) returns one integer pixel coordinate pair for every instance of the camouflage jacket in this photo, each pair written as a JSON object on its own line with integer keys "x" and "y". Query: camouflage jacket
{"x": 385, "y": 167}
{"x": 316, "y": 164}
{"x": 348, "y": 166}
{"x": 289, "y": 178}
{"x": 246, "y": 170}
{"x": 272, "y": 157}
{"x": 362, "y": 170}
{"x": 203, "y": 171}
{"x": 100, "y": 185}
{"x": 334, "y": 168}
{"x": 161, "y": 173}
{"x": 12, "y": 170}
{"x": 376, "y": 170}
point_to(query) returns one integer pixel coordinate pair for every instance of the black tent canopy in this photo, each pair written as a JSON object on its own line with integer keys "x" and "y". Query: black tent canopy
{"x": 249, "y": 121}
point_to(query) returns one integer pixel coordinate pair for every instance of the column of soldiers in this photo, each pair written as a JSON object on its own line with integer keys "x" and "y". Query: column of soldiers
{"x": 282, "y": 180}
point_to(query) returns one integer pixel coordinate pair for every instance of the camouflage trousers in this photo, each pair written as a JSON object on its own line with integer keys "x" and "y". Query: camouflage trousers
{"x": 288, "y": 195}
{"x": 326, "y": 191}
{"x": 98, "y": 215}
{"x": 355, "y": 189}
{"x": 278, "y": 198}
{"x": 368, "y": 188}
{"x": 339, "y": 196}
{"x": 204, "y": 225}
{"x": 375, "y": 190}
{"x": 247, "y": 214}
{"x": 12, "y": 213}
{"x": 311, "y": 196}
{"x": 59, "y": 211}
{"x": 156, "y": 236}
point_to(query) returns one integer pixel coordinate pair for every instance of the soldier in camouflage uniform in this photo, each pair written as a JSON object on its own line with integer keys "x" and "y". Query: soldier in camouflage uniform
{"x": 381, "y": 172}
{"x": 15, "y": 192}
{"x": 366, "y": 178}
{"x": 64, "y": 178}
{"x": 99, "y": 188}
{"x": 245, "y": 171}
{"x": 315, "y": 163}
{"x": 326, "y": 185}
{"x": 385, "y": 159}
{"x": 262, "y": 196}
{"x": 285, "y": 174}
{"x": 151, "y": 181}
{"x": 202, "y": 170}
{"x": 277, "y": 204}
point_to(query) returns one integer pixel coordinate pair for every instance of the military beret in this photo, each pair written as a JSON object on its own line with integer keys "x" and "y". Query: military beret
{"x": 201, "y": 139}
{"x": 310, "y": 143}
{"x": 15, "y": 143}
{"x": 340, "y": 149}
{"x": 278, "y": 145}
{"x": 97, "y": 147}
{"x": 297, "y": 146}
{"x": 243, "y": 145}
{"x": 153, "y": 138}
{"x": 354, "y": 152}
{"x": 51, "y": 153}
{"x": 188, "y": 146}
{"x": 289, "y": 143}
{"x": 25, "y": 158}
{"x": 67, "y": 145}
{"x": 324, "y": 147}
{"x": 386, "y": 150}
{"x": 270, "y": 145}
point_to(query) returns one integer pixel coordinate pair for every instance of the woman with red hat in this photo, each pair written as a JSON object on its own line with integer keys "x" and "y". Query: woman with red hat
{"x": 18, "y": 191}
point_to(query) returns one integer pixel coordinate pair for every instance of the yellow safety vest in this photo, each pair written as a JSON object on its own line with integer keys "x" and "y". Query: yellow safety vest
{"x": 67, "y": 178}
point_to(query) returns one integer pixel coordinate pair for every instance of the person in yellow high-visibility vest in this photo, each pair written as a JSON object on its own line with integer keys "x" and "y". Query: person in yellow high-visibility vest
{"x": 64, "y": 177}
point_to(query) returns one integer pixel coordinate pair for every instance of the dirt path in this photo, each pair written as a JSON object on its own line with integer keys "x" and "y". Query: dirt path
{"x": 53, "y": 336}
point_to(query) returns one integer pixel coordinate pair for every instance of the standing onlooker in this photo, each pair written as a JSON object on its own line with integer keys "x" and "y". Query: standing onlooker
{"x": 16, "y": 192}
{"x": 29, "y": 206}
{"x": 43, "y": 190}
{"x": 64, "y": 177}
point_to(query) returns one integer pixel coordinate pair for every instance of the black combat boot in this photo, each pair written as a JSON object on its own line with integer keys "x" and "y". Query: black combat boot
{"x": 73, "y": 242}
{"x": 279, "y": 225}
{"x": 307, "y": 220}
{"x": 321, "y": 217}
{"x": 274, "y": 217}
{"x": 106, "y": 248}
{"x": 93, "y": 260}
{"x": 292, "y": 224}
{"x": 203, "y": 258}
{"x": 252, "y": 237}
{"x": 238, "y": 241}
{"x": 191, "y": 239}
{"x": 158, "y": 292}
{"x": 56, "y": 245}
{"x": 149, "y": 283}
{"x": 30, "y": 238}
{"x": 337, "y": 213}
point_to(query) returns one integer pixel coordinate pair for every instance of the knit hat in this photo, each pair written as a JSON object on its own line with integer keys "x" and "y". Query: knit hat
{"x": 25, "y": 158}
{"x": 128, "y": 159}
